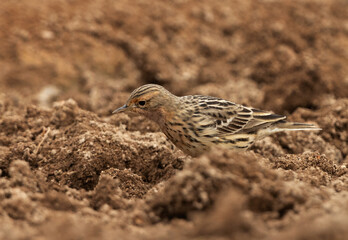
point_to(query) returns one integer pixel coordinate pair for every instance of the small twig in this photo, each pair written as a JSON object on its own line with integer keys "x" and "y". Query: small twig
{"x": 42, "y": 140}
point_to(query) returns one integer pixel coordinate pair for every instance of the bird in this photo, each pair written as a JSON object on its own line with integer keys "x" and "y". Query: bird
{"x": 196, "y": 123}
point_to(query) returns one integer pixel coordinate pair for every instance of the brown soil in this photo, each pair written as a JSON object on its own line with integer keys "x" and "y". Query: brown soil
{"x": 71, "y": 170}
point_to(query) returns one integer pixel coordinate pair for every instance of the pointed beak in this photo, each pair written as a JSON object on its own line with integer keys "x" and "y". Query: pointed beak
{"x": 121, "y": 109}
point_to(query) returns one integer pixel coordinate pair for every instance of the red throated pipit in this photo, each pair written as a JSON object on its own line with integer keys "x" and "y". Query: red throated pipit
{"x": 196, "y": 123}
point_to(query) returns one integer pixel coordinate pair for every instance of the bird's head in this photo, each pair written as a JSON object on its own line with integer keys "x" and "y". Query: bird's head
{"x": 150, "y": 100}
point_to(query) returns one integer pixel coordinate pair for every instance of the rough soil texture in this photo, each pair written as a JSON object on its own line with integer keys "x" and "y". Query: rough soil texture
{"x": 71, "y": 170}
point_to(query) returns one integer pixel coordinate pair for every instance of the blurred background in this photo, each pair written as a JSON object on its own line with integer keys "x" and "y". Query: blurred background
{"x": 275, "y": 55}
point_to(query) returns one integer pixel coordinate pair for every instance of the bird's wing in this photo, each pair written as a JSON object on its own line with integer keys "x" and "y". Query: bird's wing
{"x": 228, "y": 118}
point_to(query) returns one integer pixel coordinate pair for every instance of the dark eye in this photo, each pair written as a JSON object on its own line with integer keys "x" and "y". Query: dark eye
{"x": 142, "y": 103}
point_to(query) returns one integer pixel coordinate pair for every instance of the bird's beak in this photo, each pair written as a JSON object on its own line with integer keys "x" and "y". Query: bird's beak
{"x": 121, "y": 109}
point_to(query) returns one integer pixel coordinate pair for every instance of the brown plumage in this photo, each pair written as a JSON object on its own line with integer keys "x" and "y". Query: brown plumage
{"x": 196, "y": 123}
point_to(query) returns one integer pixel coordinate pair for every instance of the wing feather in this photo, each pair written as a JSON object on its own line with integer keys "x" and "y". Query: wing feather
{"x": 220, "y": 118}
{"x": 226, "y": 118}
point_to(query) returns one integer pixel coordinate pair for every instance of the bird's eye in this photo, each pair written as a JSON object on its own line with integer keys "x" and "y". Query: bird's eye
{"x": 141, "y": 103}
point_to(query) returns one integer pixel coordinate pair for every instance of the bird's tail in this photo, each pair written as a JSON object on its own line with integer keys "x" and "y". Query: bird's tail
{"x": 295, "y": 126}
{"x": 283, "y": 125}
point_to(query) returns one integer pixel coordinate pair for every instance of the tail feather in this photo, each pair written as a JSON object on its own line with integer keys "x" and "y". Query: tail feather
{"x": 243, "y": 141}
{"x": 295, "y": 126}
{"x": 283, "y": 126}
